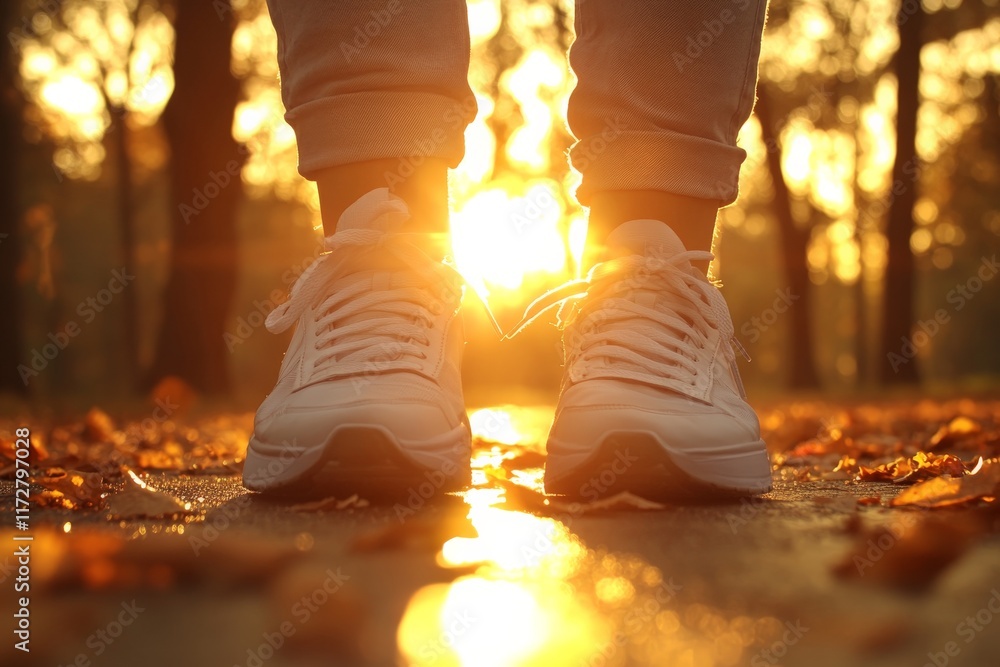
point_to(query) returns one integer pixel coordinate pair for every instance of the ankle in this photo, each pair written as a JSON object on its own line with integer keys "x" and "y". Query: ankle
{"x": 424, "y": 188}
{"x": 690, "y": 218}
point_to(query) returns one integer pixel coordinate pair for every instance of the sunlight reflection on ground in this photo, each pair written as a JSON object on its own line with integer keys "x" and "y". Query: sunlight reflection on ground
{"x": 539, "y": 596}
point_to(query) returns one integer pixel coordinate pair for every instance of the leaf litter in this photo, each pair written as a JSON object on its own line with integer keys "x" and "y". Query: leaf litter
{"x": 933, "y": 455}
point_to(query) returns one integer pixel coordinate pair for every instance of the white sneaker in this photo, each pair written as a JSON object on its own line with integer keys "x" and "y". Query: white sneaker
{"x": 652, "y": 400}
{"x": 369, "y": 397}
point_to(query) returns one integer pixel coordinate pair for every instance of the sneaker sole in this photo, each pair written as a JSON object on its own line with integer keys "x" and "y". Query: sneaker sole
{"x": 358, "y": 459}
{"x": 654, "y": 473}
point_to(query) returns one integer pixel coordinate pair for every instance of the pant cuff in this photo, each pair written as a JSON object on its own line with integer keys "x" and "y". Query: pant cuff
{"x": 617, "y": 160}
{"x": 357, "y": 127}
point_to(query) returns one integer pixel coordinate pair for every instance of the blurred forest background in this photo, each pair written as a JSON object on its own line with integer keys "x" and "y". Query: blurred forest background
{"x": 146, "y": 138}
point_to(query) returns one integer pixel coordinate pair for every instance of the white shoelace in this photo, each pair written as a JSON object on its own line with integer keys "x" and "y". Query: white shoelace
{"x": 361, "y": 329}
{"x": 600, "y": 322}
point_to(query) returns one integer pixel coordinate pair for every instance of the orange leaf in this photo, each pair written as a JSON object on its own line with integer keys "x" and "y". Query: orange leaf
{"x": 946, "y": 491}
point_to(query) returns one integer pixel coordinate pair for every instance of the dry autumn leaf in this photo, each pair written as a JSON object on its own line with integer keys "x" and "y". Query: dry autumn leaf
{"x": 948, "y": 491}
{"x": 98, "y": 425}
{"x": 955, "y": 430}
{"x": 69, "y": 489}
{"x": 139, "y": 500}
{"x": 920, "y": 466}
{"x": 519, "y": 497}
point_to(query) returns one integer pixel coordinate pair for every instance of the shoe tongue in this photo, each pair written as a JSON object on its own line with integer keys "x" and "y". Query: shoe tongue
{"x": 378, "y": 209}
{"x": 643, "y": 237}
{"x": 385, "y": 212}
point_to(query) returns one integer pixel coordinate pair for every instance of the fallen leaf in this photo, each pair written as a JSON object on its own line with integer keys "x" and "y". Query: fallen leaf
{"x": 139, "y": 500}
{"x": 522, "y": 498}
{"x": 98, "y": 426}
{"x": 870, "y": 500}
{"x": 36, "y": 453}
{"x": 157, "y": 460}
{"x": 920, "y": 466}
{"x": 957, "y": 429}
{"x": 812, "y": 448}
{"x": 69, "y": 489}
{"x": 948, "y": 491}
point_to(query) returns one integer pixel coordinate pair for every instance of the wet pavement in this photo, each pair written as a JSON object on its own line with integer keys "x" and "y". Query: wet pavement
{"x": 806, "y": 575}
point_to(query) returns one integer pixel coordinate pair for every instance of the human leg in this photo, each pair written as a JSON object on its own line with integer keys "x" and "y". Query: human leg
{"x": 650, "y": 350}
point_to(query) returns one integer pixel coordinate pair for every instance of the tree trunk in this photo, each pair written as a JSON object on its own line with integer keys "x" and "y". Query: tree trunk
{"x": 862, "y": 342}
{"x": 896, "y": 366}
{"x": 794, "y": 244}
{"x": 206, "y": 186}
{"x": 123, "y": 164}
{"x": 10, "y": 209}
